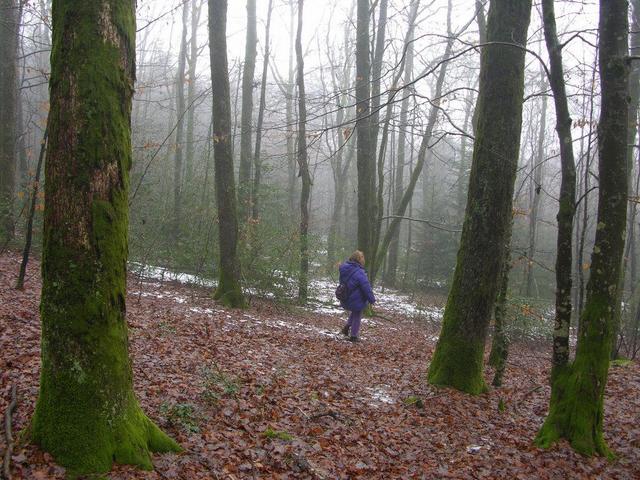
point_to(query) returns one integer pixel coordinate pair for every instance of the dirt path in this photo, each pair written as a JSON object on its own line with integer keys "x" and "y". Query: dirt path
{"x": 278, "y": 393}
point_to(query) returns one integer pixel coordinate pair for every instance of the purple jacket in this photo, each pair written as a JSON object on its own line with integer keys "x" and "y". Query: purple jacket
{"x": 354, "y": 276}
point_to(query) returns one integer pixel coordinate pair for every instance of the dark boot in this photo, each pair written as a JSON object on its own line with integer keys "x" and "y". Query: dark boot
{"x": 353, "y": 339}
{"x": 345, "y": 330}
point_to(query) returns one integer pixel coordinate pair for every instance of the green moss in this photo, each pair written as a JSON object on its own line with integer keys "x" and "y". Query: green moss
{"x": 457, "y": 361}
{"x": 229, "y": 292}
{"x": 458, "y": 364}
{"x": 576, "y": 409}
{"x": 86, "y": 414}
{"x": 621, "y": 362}
{"x": 413, "y": 400}
{"x": 277, "y": 434}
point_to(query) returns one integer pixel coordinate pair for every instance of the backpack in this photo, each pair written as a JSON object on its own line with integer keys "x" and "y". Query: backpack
{"x": 342, "y": 291}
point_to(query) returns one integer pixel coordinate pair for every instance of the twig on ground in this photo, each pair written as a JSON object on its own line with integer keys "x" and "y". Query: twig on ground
{"x": 6, "y": 466}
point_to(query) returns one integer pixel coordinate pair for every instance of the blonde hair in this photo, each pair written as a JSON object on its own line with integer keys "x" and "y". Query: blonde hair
{"x": 357, "y": 256}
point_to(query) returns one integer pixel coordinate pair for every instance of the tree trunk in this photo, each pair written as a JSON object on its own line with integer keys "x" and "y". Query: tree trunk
{"x": 303, "y": 164}
{"x": 244, "y": 175}
{"x": 394, "y": 226}
{"x": 376, "y": 72}
{"x": 9, "y": 31}
{"x": 500, "y": 343}
{"x": 585, "y": 201}
{"x": 87, "y": 415}
{"x": 567, "y": 208}
{"x": 463, "y": 167}
{"x": 32, "y": 212}
{"x": 535, "y": 186}
{"x": 458, "y": 358}
{"x": 634, "y": 96}
{"x": 191, "y": 90}
{"x": 576, "y": 410}
{"x": 257, "y": 160}
{"x": 180, "y": 105}
{"x": 365, "y": 158}
{"x": 394, "y": 246}
{"x": 228, "y": 291}
{"x": 289, "y": 100}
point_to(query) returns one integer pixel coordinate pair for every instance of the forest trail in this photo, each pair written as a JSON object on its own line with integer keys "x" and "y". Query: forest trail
{"x": 276, "y": 392}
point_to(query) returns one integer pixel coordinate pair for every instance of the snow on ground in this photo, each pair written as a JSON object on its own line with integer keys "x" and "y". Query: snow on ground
{"x": 321, "y": 293}
{"x": 166, "y": 275}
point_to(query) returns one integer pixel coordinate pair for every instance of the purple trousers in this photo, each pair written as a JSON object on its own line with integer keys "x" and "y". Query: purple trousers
{"x": 354, "y": 322}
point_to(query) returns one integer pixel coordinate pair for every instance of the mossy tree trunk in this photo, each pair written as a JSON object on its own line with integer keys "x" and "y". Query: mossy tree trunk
{"x": 629, "y": 262}
{"x": 577, "y": 398}
{"x": 303, "y": 164}
{"x": 500, "y": 342}
{"x": 458, "y": 358}
{"x": 246, "y": 124}
{"x": 567, "y": 208}
{"x": 86, "y": 414}
{"x": 228, "y": 291}
{"x": 9, "y": 30}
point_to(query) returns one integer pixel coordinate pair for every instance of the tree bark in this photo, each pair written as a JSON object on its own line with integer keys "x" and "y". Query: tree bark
{"x": 257, "y": 160}
{"x": 500, "y": 343}
{"x": 365, "y": 157}
{"x": 9, "y": 31}
{"x": 458, "y": 358}
{"x": 634, "y": 97}
{"x": 86, "y": 414}
{"x": 228, "y": 291}
{"x": 246, "y": 124}
{"x": 567, "y": 208}
{"x": 191, "y": 90}
{"x": 576, "y": 410}
{"x": 303, "y": 164}
{"x": 180, "y": 106}
{"x": 32, "y": 212}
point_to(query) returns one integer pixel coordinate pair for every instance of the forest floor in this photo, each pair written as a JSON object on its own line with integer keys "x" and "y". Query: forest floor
{"x": 275, "y": 392}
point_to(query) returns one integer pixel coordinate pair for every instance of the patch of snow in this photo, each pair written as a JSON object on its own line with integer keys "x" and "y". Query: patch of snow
{"x": 166, "y": 275}
{"x": 324, "y": 291}
{"x": 380, "y": 394}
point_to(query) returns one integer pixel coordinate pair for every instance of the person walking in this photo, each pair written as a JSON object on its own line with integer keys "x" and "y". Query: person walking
{"x": 354, "y": 277}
